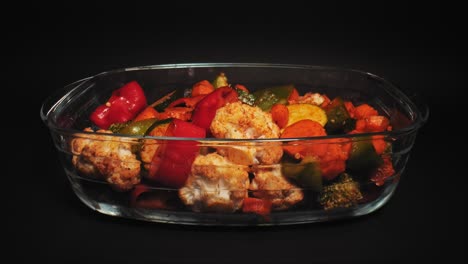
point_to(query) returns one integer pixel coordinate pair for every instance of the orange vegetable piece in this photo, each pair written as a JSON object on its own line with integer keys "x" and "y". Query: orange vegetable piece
{"x": 379, "y": 144}
{"x": 189, "y": 102}
{"x": 333, "y": 162}
{"x": 257, "y": 206}
{"x": 305, "y": 128}
{"x": 331, "y": 169}
{"x": 280, "y": 115}
{"x": 373, "y": 124}
{"x": 147, "y": 113}
{"x": 350, "y": 108}
{"x": 383, "y": 172}
{"x": 293, "y": 96}
{"x": 182, "y": 113}
{"x": 364, "y": 111}
{"x": 242, "y": 87}
{"x": 360, "y": 126}
{"x": 202, "y": 88}
{"x": 376, "y": 123}
{"x": 326, "y": 101}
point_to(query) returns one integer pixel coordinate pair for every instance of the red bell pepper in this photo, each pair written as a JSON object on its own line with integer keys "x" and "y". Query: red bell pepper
{"x": 124, "y": 104}
{"x": 383, "y": 172}
{"x": 205, "y": 110}
{"x": 136, "y": 192}
{"x": 143, "y": 196}
{"x": 172, "y": 164}
{"x": 257, "y": 206}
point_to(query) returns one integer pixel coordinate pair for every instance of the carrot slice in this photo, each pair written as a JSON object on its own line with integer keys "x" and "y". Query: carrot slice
{"x": 333, "y": 162}
{"x": 182, "y": 113}
{"x": 147, "y": 113}
{"x": 242, "y": 87}
{"x": 364, "y": 111}
{"x": 360, "y": 125}
{"x": 293, "y": 96}
{"x": 376, "y": 123}
{"x": 202, "y": 88}
{"x": 280, "y": 115}
{"x": 305, "y": 128}
{"x": 350, "y": 108}
{"x": 379, "y": 144}
{"x": 331, "y": 169}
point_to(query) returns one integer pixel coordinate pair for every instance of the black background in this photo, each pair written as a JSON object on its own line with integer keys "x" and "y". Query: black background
{"x": 421, "y": 48}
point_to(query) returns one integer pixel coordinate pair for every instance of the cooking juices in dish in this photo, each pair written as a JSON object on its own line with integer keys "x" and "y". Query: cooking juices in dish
{"x": 216, "y": 151}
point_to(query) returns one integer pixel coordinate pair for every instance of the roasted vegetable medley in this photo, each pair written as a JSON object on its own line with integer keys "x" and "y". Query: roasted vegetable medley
{"x": 310, "y": 160}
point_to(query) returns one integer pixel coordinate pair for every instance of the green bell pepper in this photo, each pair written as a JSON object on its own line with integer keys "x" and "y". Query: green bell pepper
{"x": 266, "y": 98}
{"x": 307, "y": 173}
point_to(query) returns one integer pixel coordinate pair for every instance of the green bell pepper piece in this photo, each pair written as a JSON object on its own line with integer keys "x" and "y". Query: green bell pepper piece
{"x": 363, "y": 157}
{"x": 307, "y": 173}
{"x": 137, "y": 128}
{"x": 266, "y": 98}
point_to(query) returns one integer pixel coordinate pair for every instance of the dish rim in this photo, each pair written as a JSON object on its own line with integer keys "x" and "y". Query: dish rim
{"x": 421, "y": 110}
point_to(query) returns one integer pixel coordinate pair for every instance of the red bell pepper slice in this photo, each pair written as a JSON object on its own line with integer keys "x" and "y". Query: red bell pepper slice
{"x": 257, "y": 206}
{"x": 205, "y": 110}
{"x": 383, "y": 172}
{"x": 100, "y": 117}
{"x": 142, "y": 196}
{"x": 136, "y": 192}
{"x": 172, "y": 164}
{"x": 124, "y": 104}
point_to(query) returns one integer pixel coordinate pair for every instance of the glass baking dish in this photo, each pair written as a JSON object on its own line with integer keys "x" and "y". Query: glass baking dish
{"x": 219, "y": 195}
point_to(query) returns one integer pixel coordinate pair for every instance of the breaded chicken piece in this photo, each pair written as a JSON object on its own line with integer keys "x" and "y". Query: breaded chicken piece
{"x": 104, "y": 157}
{"x": 215, "y": 185}
{"x": 242, "y": 121}
{"x": 270, "y": 184}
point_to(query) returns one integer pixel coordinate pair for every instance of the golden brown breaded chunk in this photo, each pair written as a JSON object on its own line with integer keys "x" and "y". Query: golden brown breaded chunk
{"x": 242, "y": 121}
{"x": 106, "y": 157}
{"x": 270, "y": 184}
{"x": 215, "y": 185}
{"x": 151, "y": 146}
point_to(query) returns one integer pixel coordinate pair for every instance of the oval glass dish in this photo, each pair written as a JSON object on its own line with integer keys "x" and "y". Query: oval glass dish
{"x": 243, "y": 180}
